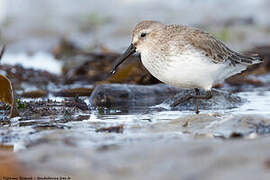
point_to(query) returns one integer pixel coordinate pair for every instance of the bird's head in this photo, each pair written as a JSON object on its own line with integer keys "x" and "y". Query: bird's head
{"x": 142, "y": 35}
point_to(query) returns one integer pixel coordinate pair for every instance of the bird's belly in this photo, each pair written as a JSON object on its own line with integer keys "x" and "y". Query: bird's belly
{"x": 188, "y": 71}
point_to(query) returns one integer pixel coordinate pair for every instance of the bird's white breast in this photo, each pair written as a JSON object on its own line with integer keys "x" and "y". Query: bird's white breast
{"x": 191, "y": 69}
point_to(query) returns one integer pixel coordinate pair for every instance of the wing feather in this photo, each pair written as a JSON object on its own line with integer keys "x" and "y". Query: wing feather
{"x": 212, "y": 47}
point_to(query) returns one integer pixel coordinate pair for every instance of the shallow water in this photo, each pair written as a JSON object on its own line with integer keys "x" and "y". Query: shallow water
{"x": 258, "y": 103}
{"x": 139, "y": 125}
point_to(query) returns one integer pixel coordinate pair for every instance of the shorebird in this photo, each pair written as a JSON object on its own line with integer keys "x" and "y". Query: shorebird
{"x": 185, "y": 57}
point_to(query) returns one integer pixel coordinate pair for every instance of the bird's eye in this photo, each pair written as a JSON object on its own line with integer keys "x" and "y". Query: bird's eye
{"x": 143, "y": 34}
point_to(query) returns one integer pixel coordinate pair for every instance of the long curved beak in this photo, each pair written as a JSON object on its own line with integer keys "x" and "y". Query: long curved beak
{"x": 130, "y": 50}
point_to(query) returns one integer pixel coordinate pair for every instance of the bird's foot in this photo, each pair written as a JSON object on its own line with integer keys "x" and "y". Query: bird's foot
{"x": 182, "y": 100}
{"x": 208, "y": 95}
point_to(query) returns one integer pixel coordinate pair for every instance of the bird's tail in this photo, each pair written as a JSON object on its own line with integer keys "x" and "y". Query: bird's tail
{"x": 247, "y": 60}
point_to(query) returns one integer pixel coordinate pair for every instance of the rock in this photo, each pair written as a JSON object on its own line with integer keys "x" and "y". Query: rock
{"x": 240, "y": 80}
{"x": 115, "y": 129}
{"x": 90, "y": 67}
{"x": 96, "y": 67}
{"x": 34, "y": 94}
{"x": 220, "y": 100}
{"x": 19, "y": 75}
{"x": 78, "y": 103}
{"x": 73, "y": 92}
{"x": 134, "y": 73}
{"x": 204, "y": 160}
{"x": 123, "y": 95}
{"x": 116, "y": 95}
{"x": 216, "y": 125}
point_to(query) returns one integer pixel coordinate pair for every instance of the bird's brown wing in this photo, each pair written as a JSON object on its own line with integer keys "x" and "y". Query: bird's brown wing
{"x": 216, "y": 50}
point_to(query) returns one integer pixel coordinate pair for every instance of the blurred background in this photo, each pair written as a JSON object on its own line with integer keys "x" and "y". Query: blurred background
{"x": 38, "y": 25}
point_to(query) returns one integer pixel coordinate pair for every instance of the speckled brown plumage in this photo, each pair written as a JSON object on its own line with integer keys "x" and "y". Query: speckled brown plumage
{"x": 211, "y": 46}
{"x": 182, "y": 36}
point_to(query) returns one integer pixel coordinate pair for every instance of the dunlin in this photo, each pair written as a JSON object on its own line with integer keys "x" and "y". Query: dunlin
{"x": 185, "y": 57}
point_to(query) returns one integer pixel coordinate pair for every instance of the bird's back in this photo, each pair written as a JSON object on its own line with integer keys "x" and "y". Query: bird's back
{"x": 210, "y": 46}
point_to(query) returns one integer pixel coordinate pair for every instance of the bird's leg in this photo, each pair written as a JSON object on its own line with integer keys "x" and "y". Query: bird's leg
{"x": 208, "y": 95}
{"x": 197, "y": 91}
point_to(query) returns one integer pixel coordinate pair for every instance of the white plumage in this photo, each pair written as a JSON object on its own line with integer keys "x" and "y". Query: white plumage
{"x": 192, "y": 69}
